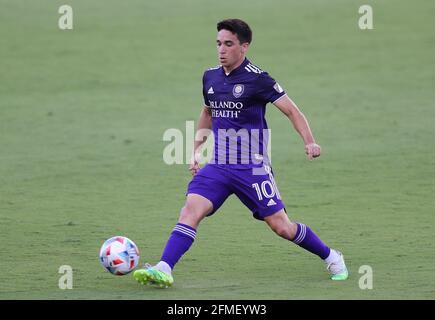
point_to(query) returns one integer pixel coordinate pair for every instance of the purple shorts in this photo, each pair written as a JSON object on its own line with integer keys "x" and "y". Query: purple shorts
{"x": 258, "y": 192}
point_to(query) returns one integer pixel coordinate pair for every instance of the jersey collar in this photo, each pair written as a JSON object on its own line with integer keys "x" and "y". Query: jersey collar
{"x": 238, "y": 69}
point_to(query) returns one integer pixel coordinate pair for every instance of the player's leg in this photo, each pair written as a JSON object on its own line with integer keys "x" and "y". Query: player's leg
{"x": 303, "y": 236}
{"x": 183, "y": 235}
{"x": 201, "y": 201}
{"x": 281, "y": 225}
{"x": 195, "y": 209}
{"x": 260, "y": 194}
{"x": 298, "y": 233}
{"x": 181, "y": 239}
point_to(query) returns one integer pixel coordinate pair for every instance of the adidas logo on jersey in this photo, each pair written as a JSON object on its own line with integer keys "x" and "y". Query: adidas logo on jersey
{"x": 210, "y": 91}
{"x": 271, "y": 203}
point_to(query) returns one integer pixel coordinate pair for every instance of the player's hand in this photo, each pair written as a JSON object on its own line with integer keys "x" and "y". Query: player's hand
{"x": 312, "y": 150}
{"x": 194, "y": 164}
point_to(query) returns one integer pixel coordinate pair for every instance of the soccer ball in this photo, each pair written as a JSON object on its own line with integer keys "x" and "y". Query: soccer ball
{"x": 119, "y": 255}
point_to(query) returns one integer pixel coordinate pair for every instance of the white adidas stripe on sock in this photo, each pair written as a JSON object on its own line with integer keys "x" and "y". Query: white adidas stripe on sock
{"x": 302, "y": 233}
{"x": 188, "y": 232}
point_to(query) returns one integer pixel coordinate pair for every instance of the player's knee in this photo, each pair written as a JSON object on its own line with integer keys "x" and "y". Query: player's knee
{"x": 282, "y": 230}
{"x": 190, "y": 216}
{"x": 285, "y": 230}
{"x": 186, "y": 212}
{"x": 293, "y": 228}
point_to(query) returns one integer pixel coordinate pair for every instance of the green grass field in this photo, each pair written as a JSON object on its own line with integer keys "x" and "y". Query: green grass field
{"x": 83, "y": 112}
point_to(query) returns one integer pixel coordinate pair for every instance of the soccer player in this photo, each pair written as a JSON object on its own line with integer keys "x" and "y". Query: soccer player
{"x": 235, "y": 96}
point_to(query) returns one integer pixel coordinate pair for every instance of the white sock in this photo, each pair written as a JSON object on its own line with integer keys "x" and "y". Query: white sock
{"x": 333, "y": 256}
{"x": 163, "y": 266}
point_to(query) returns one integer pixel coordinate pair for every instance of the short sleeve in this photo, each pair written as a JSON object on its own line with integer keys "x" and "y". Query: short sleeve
{"x": 268, "y": 89}
{"x": 204, "y": 93}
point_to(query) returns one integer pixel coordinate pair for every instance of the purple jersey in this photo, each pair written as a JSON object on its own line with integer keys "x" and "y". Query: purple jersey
{"x": 237, "y": 102}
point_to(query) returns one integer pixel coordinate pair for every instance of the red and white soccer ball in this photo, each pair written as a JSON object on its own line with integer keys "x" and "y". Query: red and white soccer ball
{"x": 119, "y": 255}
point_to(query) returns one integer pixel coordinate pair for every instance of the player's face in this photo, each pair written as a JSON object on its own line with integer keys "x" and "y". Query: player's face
{"x": 231, "y": 52}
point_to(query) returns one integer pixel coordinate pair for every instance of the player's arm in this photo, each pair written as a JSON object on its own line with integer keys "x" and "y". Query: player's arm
{"x": 202, "y": 132}
{"x": 300, "y": 123}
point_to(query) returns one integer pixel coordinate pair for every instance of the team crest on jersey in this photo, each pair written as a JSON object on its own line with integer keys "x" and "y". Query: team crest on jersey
{"x": 238, "y": 90}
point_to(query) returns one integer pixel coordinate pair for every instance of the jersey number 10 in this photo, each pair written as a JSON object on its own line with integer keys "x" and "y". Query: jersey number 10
{"x": 263, "y": 191}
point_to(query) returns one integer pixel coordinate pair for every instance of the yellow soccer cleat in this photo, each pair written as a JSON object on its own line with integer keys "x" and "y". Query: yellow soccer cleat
{"x": 151, "y": 276}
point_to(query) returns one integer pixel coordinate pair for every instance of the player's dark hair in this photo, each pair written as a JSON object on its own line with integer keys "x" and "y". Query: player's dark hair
{"x": 238, "y": 27}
